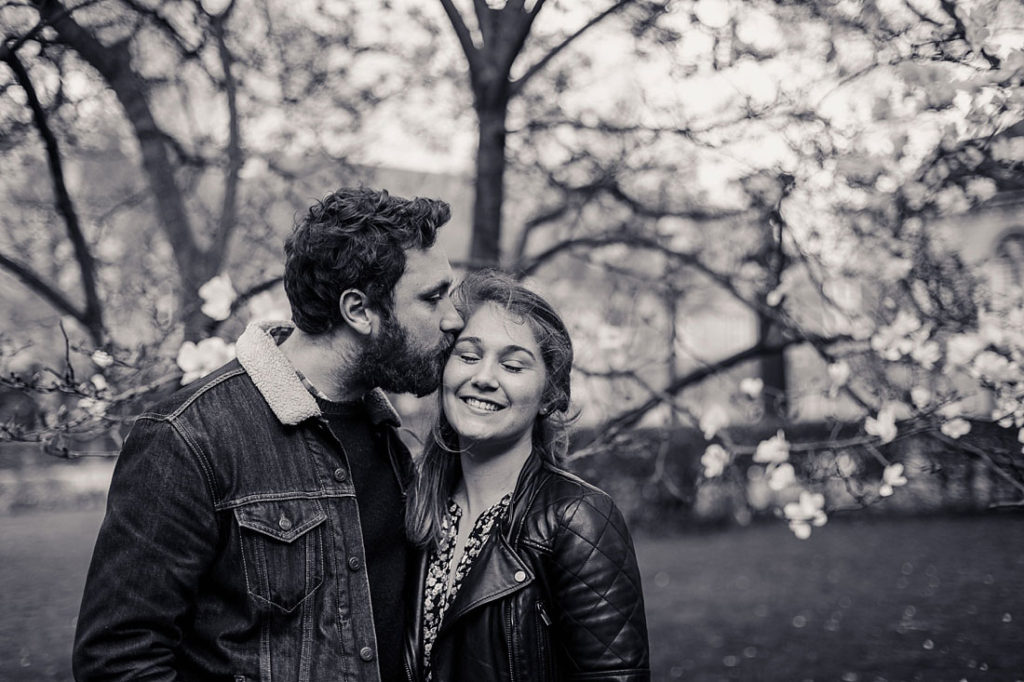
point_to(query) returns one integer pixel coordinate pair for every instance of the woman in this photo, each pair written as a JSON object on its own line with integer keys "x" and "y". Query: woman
{"x": 528, "y": 573}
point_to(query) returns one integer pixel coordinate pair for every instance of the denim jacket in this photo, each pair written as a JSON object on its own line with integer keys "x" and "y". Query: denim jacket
{"x": 231, "y": 547}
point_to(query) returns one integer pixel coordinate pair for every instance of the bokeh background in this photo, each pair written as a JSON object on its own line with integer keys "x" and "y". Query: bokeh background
{"x": 788, "y": 238}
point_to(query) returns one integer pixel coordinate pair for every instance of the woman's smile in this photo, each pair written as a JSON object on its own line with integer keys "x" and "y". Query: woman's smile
{"x": 494, "y": 379}
{"x": 481, "y": 404}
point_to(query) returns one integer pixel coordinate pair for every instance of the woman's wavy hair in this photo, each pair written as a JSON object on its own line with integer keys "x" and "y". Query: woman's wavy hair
{"x": 439, "y": 467}
{"x": 354, "y": 238}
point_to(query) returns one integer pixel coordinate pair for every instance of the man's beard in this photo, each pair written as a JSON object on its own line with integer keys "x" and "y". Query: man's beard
{"x": 392, "y": 363}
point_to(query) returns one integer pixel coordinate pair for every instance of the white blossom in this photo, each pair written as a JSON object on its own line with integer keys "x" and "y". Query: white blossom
{"x": 926, "y": 353}
{"x": 897, "y": 268}
{"x": 807, "y": 512}
{"x": 93, "y": 406}
{"x": 102, "y": 359}
{"x": 217, "y": 295}
{"x": 214, "y": 7}
{"x": 883, "y": 425}
{"x": 839, "y": 373}
{"x": 955, "y": 428}
{"x": 892, "y": 341}
{"x": 920, "y": 396}
{"x": 892, "y": 477}
{"x": 781, "y": 476}
{"x": 752, "y": 387}
{"x": 713, "y": 419}
{"x": 774, "y": 450}
{"x": 990, "y": 365}
{"x": 981, "y": 189}
{"x": 99, "y": 382}
{"x": 198, "y": 360}
{"x": 714, "y": 460}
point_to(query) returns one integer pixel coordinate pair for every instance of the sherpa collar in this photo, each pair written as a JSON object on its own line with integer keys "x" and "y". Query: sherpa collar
{"x": 280, "y": 386}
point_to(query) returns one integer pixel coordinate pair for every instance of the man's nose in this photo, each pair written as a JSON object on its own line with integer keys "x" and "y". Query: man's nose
{"x": 451, "y": 321}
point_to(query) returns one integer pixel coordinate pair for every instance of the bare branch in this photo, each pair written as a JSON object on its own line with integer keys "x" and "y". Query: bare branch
{"x": 92, "y": 316}
{"x": 980, "y": 454}
{"x": 229, "y": 209}
{"x": 465, "y": 39}
{"x": 164, "y": 25}
{"x": 513, "y": 40}
{"x": 16, "y": 43}
{"x": 485, "y": 19}
{"x": 518, "y": 84}
{"x": 949, "y": 7}
{"x": 632, "y": 416}
{"x": 47, "y": 291}
{"x": 114, "y": 65}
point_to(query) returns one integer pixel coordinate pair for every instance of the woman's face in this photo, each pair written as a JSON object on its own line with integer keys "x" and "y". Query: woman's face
{"x": 494, "y": 380}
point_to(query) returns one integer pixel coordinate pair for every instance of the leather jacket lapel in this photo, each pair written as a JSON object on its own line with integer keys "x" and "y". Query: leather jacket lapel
{"x": 496, "y": 572}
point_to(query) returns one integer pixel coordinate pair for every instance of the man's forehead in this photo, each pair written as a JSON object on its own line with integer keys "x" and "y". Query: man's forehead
{"x": 425, "y": 269}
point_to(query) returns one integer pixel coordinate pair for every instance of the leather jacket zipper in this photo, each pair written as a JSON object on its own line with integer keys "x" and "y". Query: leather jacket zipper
{"x": 543, "y": 614}
{"x": 508, "y": 642}
{"x": 544, "y": 654}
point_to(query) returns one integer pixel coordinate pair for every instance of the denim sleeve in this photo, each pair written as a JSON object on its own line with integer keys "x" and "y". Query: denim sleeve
{"x": 601, "y": 625}
{"x": 158, "y": 538}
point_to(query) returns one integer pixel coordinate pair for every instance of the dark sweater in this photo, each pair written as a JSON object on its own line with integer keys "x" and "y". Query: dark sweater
{"x": 381, "y": 515}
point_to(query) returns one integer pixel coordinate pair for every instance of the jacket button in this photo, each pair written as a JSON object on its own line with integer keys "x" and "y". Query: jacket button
{"x": 284, "y": 523}
{"x": 366, "y": 653}
{"x": 340, "y": 475}
{"x": 354, "y": 563}
{"x": 520, "y": 576}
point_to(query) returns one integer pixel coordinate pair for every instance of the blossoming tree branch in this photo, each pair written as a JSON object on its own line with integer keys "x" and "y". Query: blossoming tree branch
{"x": 750, "y": 212}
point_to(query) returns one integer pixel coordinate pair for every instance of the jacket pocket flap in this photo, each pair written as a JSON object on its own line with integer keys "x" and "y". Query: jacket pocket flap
{"x": 283, "y": 520}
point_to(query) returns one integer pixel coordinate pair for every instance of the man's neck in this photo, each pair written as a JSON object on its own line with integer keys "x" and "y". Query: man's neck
{"x": 327, "y": 361}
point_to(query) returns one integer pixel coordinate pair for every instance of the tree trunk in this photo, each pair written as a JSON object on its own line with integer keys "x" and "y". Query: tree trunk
{"x": 485, "y": 247}
{"x": 773, "y": 369}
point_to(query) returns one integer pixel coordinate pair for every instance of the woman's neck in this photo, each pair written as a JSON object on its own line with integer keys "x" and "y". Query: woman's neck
{"x": 489, "y": 475}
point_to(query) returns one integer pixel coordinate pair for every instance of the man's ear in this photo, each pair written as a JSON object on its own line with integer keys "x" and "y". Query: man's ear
{"x": 357, "y": 312}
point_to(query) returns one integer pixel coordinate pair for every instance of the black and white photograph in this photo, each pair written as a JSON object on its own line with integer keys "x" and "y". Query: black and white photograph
{"x": 512, "y": 341}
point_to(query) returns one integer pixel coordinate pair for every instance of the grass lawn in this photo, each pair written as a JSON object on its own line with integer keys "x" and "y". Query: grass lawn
{"x": 861, "y": 601}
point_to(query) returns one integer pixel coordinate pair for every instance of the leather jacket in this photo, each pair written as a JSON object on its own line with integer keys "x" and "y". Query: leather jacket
{"x": 231, "y": 548}
{"x": 554, "y": 594}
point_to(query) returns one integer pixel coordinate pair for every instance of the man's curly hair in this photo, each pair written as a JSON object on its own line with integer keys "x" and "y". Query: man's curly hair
{"x": 354, "y": 238}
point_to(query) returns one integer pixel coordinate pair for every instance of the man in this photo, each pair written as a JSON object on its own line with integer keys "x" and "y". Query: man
{"x": 254, "y": 526}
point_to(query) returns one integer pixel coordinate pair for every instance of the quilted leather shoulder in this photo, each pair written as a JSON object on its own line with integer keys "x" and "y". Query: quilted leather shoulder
{"x": 593, "y": 576}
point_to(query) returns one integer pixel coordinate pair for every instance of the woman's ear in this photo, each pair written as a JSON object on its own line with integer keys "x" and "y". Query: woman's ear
{"x": 356, "y": 311}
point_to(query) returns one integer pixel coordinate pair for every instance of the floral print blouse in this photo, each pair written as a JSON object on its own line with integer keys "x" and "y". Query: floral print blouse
{"x": 437, "y": 597}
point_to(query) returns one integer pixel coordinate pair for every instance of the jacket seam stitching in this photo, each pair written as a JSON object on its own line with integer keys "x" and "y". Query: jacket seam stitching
{"x": 280, "y": 497}
{"x": 204, "y": 465}
{"x": 535, "y": 545}
{"x": 216, "y": 382}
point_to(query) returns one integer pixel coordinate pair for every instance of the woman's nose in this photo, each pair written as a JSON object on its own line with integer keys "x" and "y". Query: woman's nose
{"x": 484, "y": 376}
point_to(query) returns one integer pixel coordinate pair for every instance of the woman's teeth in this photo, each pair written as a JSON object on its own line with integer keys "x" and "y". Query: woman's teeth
{"x": 482, "y": 405}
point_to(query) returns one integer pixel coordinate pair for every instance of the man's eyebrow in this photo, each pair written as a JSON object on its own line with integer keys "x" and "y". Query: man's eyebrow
{"x": 439, "y": 288}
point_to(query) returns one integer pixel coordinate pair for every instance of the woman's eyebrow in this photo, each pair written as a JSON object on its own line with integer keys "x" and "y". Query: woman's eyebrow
{"x": 518, "y": 349}
{"x": 511, "y": 348}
